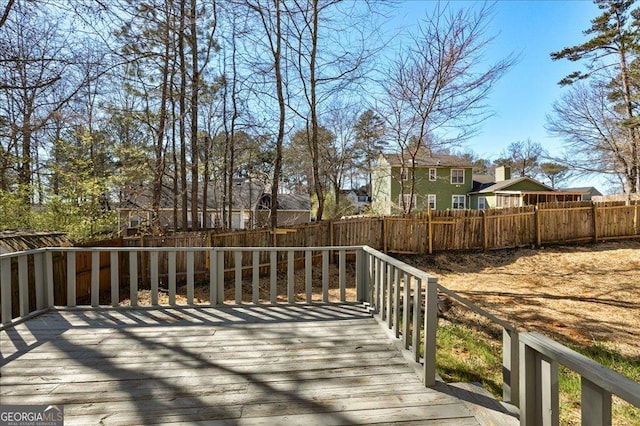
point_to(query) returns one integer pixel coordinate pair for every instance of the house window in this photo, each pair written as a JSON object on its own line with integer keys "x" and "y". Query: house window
{"x": 405, "y": 199}
{"x": 134, "y": 220}
{"x": 482, "y": 203}
{"x": 137, "y": 219}
{"x": 457, "y": 176}
{"x": 431, "y": 201}
{"x": 200, "y": 224}
{"x": 433, "y": 173}
{"x": 457, "y": 202}
{"x": 404, "y": 173}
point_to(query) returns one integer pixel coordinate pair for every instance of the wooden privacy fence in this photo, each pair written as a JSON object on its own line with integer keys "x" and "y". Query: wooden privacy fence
{"x": 435, "y": 231}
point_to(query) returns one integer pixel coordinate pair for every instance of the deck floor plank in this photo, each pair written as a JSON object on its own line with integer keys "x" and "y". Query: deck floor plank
{"x": 305, "y": 364}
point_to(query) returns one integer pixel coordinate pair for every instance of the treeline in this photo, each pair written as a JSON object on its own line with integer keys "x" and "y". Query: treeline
{"x": 167, "y": 103}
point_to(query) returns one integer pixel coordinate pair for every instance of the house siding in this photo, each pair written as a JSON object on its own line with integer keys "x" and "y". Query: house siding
{"x": 388, "y": 186}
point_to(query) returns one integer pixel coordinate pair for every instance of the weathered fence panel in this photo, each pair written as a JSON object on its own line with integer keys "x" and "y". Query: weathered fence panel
{"x": 424, "y": 232}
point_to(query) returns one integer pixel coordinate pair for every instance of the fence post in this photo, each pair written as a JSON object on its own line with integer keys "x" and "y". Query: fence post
{"x": 485, "y": 230}
{"x": 430, "y": 231}
{"x": 430, "y": 328}
{"x": 536, "y": 212}
{"x": 594, "y": 213}
{"x": 384, "y": 235}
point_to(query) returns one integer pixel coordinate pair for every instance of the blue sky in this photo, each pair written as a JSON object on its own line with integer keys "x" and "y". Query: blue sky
{"x": 531, "y": 29}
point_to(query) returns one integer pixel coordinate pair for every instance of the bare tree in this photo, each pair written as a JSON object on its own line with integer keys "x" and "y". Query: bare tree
{"x": 434, "y": 90}
{"x": 523, "y": 157}
{"x": 269, "y": 14}
{"x": 326, "y": 64}
{"x": 589, "y": 124}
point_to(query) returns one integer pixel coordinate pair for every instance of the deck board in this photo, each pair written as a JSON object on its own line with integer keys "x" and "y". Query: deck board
{"x": 303, "y": 364}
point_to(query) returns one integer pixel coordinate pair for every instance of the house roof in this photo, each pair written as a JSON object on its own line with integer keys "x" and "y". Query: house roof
{"x": 246, "y": 195}
{"x": 426, "y": 160}
{"x": 505, "y": 184}
{"x": 286, "y": 202}
{"x": 583, "y": 189}
{"x": 362, "y": 192}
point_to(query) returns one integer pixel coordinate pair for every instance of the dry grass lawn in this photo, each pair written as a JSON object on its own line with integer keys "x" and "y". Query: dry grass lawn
{"x": 576, "y": 294}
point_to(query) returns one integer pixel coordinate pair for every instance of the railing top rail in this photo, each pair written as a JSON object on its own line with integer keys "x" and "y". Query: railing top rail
{"x": 602, "y": 376}
{"x": 477, "y": 309}
{"x": 179, "y": 249}
{"x": 399, "y": 264}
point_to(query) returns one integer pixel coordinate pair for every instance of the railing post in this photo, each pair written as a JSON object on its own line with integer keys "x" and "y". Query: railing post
{"x": 325, "y": 276}
{"x": 405, "y": 310}
{"x": 308, "y": 275}
{"x": 190, "y": 277}
{"x": 133, "y": 278}
{"x": 40, "y": 277}
{"x": 417, "y": 320}
{"x": 114, "y": 267}
{"x": 255, "y": 277}
{"x": 290, "y": 277}
{"x": 220, "y": 275}
{"x": 510, "y": 370}
{"x": 430, "y": 329}
{"x": 153, "y": 274}
{"x": 171, "y": 279}
{"x": 5, "y": 290}
{"x": 390, "y": 292}
{"x": 95, "y": 278}
{"x": 360, "y": 273}
{"x": 48, "y": 278}
{"x": 273, "y": 279}
{"x": 213, "y": 289}
{"x": 342, "y": 274}
{"x": 539, "y": 391}
{"x": 23, "y": 285}
{"x": 596, "y": 404}
{"x": 71, "y": 278}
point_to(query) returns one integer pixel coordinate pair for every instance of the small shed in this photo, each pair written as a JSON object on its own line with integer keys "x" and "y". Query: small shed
{"x": 13, "y": 241}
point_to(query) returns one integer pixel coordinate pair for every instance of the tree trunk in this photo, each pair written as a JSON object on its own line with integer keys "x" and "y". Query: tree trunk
{"x": 182, "y": 122}
{"x": 195, "y": 83}
{"x": 277, "y": 164}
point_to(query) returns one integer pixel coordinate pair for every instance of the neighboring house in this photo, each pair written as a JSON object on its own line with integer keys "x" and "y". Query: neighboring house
{"x": 293, "y": 209}
{"x": 441, "y": 182}
{"x": 136, "y": 212}
{"x": 588, "y": 192}
{"x": 359, "y": 198}
{"x": 503, "y": 191}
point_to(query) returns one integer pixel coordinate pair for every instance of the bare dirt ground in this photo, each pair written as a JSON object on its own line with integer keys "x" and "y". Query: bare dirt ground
{"x": 576, "y": 294}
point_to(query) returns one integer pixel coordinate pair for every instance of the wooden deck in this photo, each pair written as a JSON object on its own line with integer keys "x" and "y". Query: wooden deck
{"x": 287, "y": 364}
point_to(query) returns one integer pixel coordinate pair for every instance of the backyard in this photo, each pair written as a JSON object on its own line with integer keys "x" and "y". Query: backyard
{"x": 587, "y": 297}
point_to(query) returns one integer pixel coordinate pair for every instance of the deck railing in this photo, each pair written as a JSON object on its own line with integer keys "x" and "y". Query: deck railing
{"x": 402, "y": 297}
{"x": 539, "y": 393}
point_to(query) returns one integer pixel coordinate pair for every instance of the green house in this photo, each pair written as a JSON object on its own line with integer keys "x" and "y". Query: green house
{"x": 503, "y": 191}
{"x": 441, "y": 182}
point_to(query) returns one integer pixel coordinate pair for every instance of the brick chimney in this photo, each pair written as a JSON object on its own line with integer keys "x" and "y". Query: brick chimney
{"x": 503, "y": 173}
